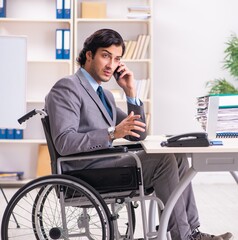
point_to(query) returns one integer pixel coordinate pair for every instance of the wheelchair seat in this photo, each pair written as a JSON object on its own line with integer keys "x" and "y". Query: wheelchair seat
{"x": 104, "y": 180}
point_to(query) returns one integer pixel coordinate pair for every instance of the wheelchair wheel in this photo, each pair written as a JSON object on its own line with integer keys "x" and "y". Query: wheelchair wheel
{"x": 57, "y": 207}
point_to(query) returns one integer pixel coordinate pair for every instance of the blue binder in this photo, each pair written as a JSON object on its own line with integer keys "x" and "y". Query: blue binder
{"x": 2, "y": 8}
{"x": 67, "y": 9}
{"x": 3, "y": 133}
{"x": 59, "y": 8}
{"x": 59, "y": 43}
{"x": 10, "y": 133}
{"x": 18, "y": 133}
{"x": 66, "y": 44}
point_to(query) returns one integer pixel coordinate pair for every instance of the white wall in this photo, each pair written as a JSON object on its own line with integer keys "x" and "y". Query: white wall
{"x": 189, "y": 46}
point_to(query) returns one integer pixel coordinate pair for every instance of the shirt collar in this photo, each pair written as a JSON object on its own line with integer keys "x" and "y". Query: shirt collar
{"x": 90, "y": 79}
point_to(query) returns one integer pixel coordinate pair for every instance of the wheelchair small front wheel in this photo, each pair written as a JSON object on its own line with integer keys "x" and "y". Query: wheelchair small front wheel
{"x": 57, "y": 207}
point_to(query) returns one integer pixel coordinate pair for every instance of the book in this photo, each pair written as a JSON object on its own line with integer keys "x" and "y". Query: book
{"x": 139, "y": 8}
{"x": 128, "y": 45}
{"x": 134, "y": 56}
{"x": 142, "y": 88}
{"x": 145, "y": 47}
{"x": 131, "y": 50}
{"x": 142, "y": 42}
{"x": 138, "y": 15}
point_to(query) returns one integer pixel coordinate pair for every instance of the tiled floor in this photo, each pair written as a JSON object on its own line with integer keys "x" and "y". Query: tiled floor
{"x": 217, "y": 205}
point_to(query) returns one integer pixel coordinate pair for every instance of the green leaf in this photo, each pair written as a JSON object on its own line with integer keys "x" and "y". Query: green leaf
{"x": 231, "y": 57}
{"x": 221, "y": 86}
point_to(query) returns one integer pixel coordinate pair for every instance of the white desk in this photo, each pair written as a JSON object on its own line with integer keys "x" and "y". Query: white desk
{"x": 203, "y": 159}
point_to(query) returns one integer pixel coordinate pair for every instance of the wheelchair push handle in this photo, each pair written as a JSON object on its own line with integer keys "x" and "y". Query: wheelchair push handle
{"x": 31, "y": 114}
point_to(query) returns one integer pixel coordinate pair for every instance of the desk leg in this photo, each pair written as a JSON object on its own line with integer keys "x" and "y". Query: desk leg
{"x": 163, "y": 225}
{"x": 235, "y": 176}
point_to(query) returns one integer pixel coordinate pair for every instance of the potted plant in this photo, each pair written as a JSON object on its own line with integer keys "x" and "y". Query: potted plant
{"x": 222, "y": 86}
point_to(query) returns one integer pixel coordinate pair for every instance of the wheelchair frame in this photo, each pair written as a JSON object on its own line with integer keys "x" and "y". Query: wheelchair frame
{"x": 85, "y": 191}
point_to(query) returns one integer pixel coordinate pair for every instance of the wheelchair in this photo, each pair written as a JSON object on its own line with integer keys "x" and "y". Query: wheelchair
{"x": 94, "y": 204}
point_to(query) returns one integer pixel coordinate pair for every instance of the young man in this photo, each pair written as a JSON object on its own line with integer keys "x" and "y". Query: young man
{"x": 82, "y": 122}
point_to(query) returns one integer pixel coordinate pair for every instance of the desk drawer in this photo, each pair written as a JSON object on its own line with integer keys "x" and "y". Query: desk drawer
{"x": 211, "y": 162}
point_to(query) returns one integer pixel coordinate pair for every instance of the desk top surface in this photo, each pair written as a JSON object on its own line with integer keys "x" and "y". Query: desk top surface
{"x": 152, "y": 145}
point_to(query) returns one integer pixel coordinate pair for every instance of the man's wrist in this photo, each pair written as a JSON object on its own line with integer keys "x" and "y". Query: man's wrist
{"x": 111, "y": 131}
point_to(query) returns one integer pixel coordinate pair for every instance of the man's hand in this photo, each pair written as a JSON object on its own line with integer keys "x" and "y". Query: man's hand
{"x": 126, "y": 80}
{"x": 126, "y": 126}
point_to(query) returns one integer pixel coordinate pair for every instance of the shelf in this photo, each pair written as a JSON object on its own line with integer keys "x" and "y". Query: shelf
{"x": 35, "y": 20}
{"x": 119, "y": 20}
{"x": 49, "y": 61}
{"x": 136, "y": 60}
{"x": 13, "y": 183}
{"x": 23, "y": 141}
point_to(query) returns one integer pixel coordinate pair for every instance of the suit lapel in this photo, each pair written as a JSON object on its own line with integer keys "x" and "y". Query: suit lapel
{"x": 86, "y": 85}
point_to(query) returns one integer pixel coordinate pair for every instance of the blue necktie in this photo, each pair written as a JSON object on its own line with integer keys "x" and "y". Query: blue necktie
{"x": 103, "y": 99}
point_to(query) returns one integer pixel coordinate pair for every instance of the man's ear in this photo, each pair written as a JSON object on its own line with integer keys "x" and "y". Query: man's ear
{"x": 89, "y": 55}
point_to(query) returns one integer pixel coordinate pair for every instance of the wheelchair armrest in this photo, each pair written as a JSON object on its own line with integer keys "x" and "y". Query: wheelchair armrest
{"x": 133, "y": 146}
{"x": 116, "y": 149}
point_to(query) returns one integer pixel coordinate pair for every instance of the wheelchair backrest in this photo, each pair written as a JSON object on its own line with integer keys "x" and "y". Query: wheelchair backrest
{"x": 54, "y": 155}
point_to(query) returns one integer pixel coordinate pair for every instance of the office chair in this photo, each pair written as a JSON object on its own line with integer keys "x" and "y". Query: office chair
{"x": 75, "y": 204}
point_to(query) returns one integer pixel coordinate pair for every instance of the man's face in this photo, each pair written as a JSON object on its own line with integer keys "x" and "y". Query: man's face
{"x": 104, "y": 63}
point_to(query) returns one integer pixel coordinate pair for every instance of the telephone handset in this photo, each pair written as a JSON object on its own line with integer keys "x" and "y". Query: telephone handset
{"x": 116, "y": 74}
{"x": 194, "y": 139}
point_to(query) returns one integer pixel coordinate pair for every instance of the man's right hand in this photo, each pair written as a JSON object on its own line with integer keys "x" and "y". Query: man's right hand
{"x": 128, "y": 125}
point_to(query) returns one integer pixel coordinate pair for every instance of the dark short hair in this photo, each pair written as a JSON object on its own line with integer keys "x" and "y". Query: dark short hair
{"x": 100, "y": 38}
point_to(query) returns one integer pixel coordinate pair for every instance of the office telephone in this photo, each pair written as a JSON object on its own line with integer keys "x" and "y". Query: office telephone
{"x": 194, "y": 139}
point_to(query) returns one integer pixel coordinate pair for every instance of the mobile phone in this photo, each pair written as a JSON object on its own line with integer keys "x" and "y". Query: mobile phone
{"x": 116, "y": 74}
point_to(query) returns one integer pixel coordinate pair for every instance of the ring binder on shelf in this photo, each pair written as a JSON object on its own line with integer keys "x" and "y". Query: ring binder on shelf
{"x": 59, "y": 43}
{"x": 3, "y": 133}
{"x": 59, "y": 8}
{"x": 66, "y": 44}
{"x": 2, "y": 8}
{"x": 67, "y": 10}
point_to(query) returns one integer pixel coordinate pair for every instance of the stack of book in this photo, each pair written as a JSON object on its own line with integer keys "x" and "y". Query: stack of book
{"x": 11, "y": 176}
{"x": 139, "y": 12}
{"x": 224, "y": 118}
{"x": 137, "y": 49}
